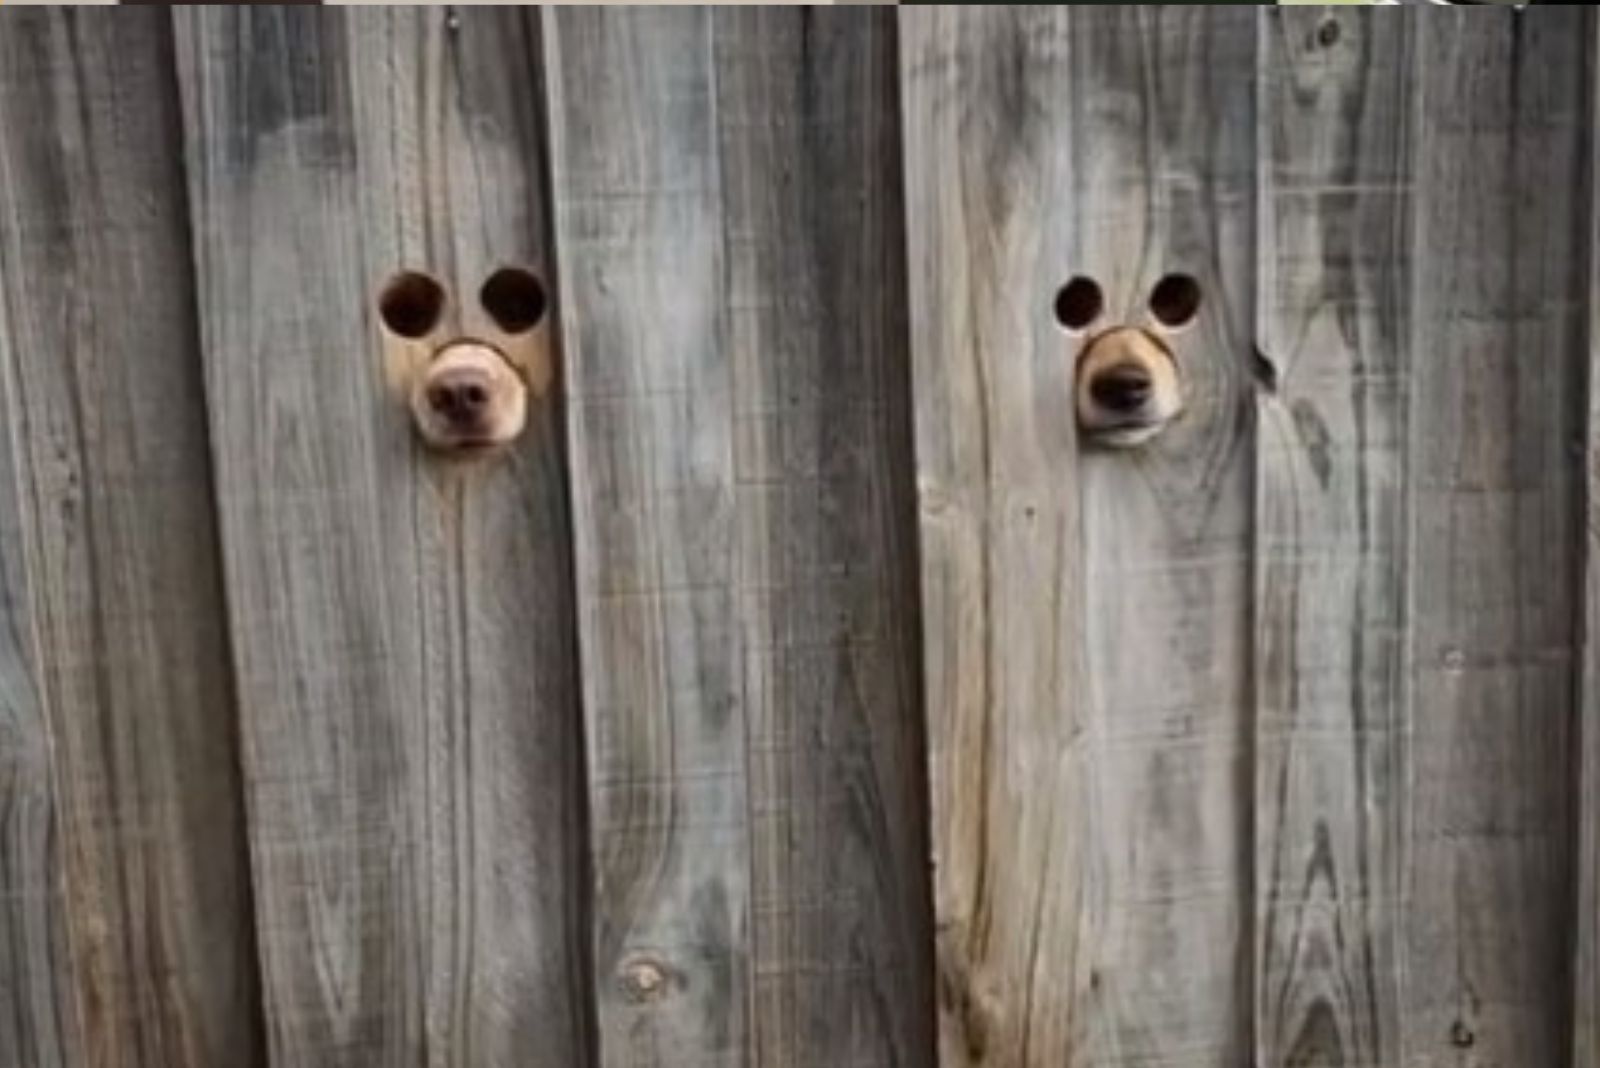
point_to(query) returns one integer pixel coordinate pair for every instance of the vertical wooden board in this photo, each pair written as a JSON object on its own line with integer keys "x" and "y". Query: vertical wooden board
{"x": 808, "y": 121}
{"x": 39, "y": 1020}
{"x": 1001, "y": 574}
{"x": 106, "y": 417}
{"x": 403, "y": 624}
{"x": 38, "y": 1003}
{"x": 640, "y": 235}
{"x": 1168, "y": 186}
{"x": 1334, "y": 263}
{"x": 1087, "y": 616}
{"x": 1586, "y": 957}
{"x": 1495, "y": 437}
{"x": 727, "y": 202}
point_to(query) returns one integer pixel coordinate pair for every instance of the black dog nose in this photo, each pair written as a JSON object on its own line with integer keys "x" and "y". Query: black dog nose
{"x": 1122, "y": 388}
{"x": 459, "y": 398}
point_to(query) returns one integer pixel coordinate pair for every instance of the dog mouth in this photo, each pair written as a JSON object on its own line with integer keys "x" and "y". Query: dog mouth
{"x": 1125, "y": 433}
{"x": 471, "y": 446}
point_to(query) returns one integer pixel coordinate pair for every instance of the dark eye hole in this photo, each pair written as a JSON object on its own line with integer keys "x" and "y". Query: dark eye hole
{"x": 1079, "y": 303}
{"x": 514, "y": 298}
{"x": 1175, "y": 300}
{"x": 412, "y": 304}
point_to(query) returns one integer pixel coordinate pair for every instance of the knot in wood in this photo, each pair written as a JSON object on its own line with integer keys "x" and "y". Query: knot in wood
{"x": 644, "y": 980}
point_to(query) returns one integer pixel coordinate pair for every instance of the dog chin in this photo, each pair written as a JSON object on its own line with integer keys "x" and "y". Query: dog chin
{"x": 1125, "y": 436}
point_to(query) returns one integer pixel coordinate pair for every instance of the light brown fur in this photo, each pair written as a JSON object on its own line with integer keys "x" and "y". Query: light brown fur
{"x": 469, "y": 369}
{"x": 1136, "y": 355}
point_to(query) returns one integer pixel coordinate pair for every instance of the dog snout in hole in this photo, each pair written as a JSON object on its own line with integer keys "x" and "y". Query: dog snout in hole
{"x": 470, "y": 397}
{"x": 1124, "y": 388}
{"x": 1128, "y": 387}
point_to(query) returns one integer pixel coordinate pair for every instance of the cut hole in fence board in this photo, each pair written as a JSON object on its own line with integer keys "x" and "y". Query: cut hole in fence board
{"x": 1086, "y": 615}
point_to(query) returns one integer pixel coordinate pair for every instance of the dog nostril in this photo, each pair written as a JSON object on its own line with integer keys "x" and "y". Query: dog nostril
{"x": 443, "y": 399}
{"x": 1122, "y": 389}
{"x": 474, "y": 397}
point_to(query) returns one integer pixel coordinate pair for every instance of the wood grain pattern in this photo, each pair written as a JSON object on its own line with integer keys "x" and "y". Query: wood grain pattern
{"x": 1585, "y": 1004}
{"x": 39, "y": 1019}
{"x": 403, "y": 624}
{"x": 1087, "y": 616}
{"x": 113, "y": 506}
{"x": 1335, "y": 263}
{"x": 38, "y": 1007}
{"x": 1273, "y": 742}
{"x": 731, "y": 237}
{"x": 808, "y": 122}
{"x": 1497, "y": 338}
{"x": 634, "y": 154}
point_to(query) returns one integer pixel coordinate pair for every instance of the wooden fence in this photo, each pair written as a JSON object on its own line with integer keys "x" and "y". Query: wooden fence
{"x": 798, "y": 692}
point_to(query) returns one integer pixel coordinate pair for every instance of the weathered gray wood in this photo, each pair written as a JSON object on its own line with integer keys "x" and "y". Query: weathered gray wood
{"x": 1087, "y": 616}
{"x": 1495, "y": 432}
{"x": 38, "y": 1002}
{"x": 403, "y": 625}
{"x": 634, "y": 156}
{"x": 38, "y": 1007}
{"x": 1002, "y": 574}
{"x": 730, "y": 226}
{"x": 144, "y": 863}
{"x": 1585, "y": 1005}
{"x": 818, "y": 352}
{"x": 1334, "y": 268}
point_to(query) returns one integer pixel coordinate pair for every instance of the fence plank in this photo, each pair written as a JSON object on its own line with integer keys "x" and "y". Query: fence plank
{"x": 635, "y": 175}
{"x": 1334, "y": 269}
{"x": 37, "y": 998}
{"x": 1497, "y": 340}
{"x": 113, "y": 504}
{"x": 740, "y": 449}
{"x": 1087, "y": 615}
{"x": 808, "y": 120}
{"x": 1586, "y": 959}
{"x": 403, "y": 623}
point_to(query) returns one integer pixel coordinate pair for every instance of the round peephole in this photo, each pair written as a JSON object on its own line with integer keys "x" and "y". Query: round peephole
{"x": 1175, "y": 300}
{"x": 1079, "y": 303}
{"x": 412, "y": 304}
